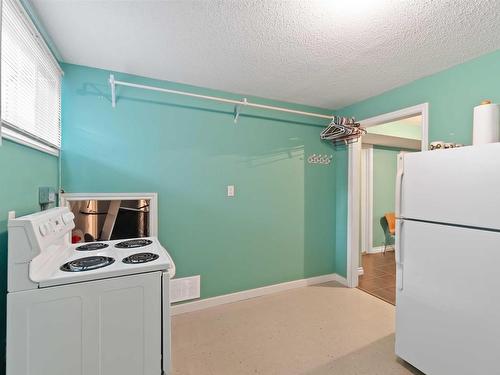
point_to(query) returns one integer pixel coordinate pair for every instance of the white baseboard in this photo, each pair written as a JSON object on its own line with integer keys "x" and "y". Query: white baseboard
{"x": 341, "y": 279}
{"x": 361, "y": 271}
{"x": 374, "y": 250}
{"x": 379, "y": 249}
{"x": 252, "y": 293}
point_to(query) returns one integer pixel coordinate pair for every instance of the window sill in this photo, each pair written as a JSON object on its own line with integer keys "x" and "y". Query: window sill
{"x": 26, "y": 140}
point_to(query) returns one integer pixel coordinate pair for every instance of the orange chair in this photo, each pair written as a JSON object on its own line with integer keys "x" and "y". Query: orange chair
{"x": 388, "y": 223}
{"x": 391, "y": 221}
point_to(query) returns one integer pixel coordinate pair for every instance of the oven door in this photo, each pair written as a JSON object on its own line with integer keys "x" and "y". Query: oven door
{"x": 108, "y": 327}
{"x": 166, "y": 345}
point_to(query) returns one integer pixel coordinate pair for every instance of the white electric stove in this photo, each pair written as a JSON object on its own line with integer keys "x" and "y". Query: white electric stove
{"x": 89, "y": 308}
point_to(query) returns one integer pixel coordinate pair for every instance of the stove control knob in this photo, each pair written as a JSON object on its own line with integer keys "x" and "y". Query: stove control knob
{"x": 43, "y": 229}
{"x": 51, "y": 226}
{"x": 67, "y": 218}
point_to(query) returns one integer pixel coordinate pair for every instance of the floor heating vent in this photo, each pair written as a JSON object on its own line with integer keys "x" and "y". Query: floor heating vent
{"x": 185, "y": 288}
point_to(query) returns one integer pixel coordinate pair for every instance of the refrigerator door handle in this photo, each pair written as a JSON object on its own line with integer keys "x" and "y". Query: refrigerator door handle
{"x": 399, "y": 185}
{"x": 399, "y": 254}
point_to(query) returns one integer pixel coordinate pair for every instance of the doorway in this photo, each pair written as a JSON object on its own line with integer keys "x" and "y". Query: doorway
{"x": 380, "y": 151}
{"x": 388, "y": 135}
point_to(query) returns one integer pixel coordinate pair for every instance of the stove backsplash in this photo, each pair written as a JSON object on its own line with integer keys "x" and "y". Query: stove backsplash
{"x": 102, "y": 220}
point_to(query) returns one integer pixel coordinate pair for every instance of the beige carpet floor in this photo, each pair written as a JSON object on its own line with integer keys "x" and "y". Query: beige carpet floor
{"x": 318, "y": 330}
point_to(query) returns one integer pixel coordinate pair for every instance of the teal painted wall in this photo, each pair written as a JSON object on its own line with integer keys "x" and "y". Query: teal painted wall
{"x": 279, "y": 227}
{"x": 452, "y": 94}
{"x": 23, "y": 170}
{"x": 385, "y": 162}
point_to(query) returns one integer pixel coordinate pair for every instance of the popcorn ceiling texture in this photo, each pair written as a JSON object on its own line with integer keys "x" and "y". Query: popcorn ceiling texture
{"x": 321, "y": 52}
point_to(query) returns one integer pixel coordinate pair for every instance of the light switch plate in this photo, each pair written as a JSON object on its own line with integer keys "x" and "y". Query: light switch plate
{"x": 230, "y": 190}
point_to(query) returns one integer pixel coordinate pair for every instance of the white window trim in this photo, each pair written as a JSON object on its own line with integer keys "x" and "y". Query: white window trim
{"x": 12, "y": 132}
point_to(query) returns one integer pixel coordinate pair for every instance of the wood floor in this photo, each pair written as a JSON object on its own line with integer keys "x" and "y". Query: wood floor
{"x": 379, "y": 278}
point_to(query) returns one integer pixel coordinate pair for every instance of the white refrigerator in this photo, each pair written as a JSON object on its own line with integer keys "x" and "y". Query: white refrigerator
{"x": 448, "y": 260}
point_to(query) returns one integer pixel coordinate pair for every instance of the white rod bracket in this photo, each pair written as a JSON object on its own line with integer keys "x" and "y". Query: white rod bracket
{"x": 113, "y": 90}
{"x": 237, "y": 109}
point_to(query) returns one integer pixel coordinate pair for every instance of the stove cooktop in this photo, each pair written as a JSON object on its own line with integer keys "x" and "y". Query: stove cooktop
{"x": 105, "y": 259}
{"x": 140, "y": 258}
{"x": 87, "y": 264}
{"x": 95, "y": 262}
{"x": 132, "y": 244}
{"x": 128, "y": 244}
{"x": 91, "y": 246}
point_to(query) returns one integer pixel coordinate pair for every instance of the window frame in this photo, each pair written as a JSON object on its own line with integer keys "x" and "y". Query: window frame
{"x": 15, "y": 133}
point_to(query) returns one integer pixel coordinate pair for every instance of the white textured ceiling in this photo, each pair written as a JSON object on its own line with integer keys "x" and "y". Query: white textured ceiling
{"x": 327, "y": 53}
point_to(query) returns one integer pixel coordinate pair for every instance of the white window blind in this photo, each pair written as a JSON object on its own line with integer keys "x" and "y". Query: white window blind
{"x": 31, "y": 80}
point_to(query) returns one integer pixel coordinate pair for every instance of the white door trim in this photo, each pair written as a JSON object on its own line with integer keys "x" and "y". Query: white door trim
{"x": 354, "y": 177}
{"x": 367, "y": 198}
{"x": 353, "y": 204}
{"x": 379, "y": 249}
{"x": 420, "y": 109}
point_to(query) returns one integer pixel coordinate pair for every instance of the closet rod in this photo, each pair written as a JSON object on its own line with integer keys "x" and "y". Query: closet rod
{"x": 113, "y": 83}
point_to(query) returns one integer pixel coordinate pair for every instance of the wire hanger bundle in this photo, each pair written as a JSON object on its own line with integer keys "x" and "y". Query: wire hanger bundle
{"x": 344, "y": 130}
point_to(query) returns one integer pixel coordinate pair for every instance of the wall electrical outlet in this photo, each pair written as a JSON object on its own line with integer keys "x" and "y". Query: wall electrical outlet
{"x": 46, "y": 196}
{"x": 230, "y": 190}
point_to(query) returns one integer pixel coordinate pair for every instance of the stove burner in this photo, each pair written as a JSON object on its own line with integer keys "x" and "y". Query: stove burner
{"x": 87, "y": 264}
{"x": 140, "y": 258}
{"x": 92, "y": 246}
{"x": 130, "y": 244}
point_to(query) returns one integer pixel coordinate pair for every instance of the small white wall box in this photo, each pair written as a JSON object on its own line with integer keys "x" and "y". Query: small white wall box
{"x": 46, "y": 195}
{"x": 185, "y": 288}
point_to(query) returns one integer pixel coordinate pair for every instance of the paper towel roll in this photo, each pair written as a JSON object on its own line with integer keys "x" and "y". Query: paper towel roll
{"x": 486, "y": 124}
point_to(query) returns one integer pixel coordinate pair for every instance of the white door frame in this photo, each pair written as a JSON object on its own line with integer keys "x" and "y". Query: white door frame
{"x": 366, "y": 208}
{"x": 354, "y": 178}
